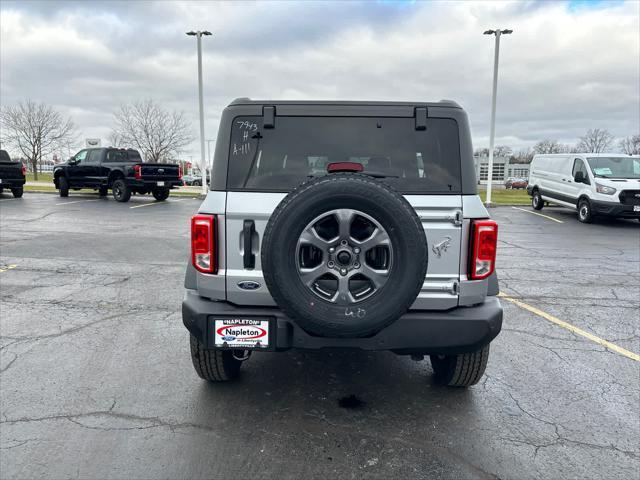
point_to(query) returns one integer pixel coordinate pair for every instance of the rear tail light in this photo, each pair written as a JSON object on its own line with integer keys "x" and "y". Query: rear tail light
{"x": 24, "y": 170}
{"x": 203, "y": 243}
{"x": 180, "y": 171}
{"x": 137, "y": 170}
{"x": 484, "y": 242}
{"x": 344, "y": 167}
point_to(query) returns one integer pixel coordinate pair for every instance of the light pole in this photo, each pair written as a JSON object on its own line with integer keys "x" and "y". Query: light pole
{"x": 497, "y": 33}
{"x": 198, "y": 36}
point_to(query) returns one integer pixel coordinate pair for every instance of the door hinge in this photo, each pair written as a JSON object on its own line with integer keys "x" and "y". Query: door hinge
{"x": 456, "y": 218}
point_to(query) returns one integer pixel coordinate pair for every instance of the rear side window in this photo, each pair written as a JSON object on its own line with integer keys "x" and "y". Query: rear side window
{"x": 4, "y": 156}
{"x": 123, "y": 156}
{"x": 279, "y": 159}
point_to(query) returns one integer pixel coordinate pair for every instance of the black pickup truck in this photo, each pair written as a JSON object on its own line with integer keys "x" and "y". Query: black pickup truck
{"x": 12, "y": 175}
{"x": 121, "y": 170}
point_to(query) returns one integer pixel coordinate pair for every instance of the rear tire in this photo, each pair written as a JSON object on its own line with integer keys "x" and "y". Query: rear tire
{"x": 160, "y": 194}
{"x": 213, "y": 365}
{"x": 63, "y": 185}
{"x": 121, "y": 191}
{"x": 461, "y": 370}
{"x": 585, "y": 215}
{"x": 17, "y": 192}
{"x": 536, "y": 200}
{"x": 195, "y": 183}
{"x": 337, "y": 314}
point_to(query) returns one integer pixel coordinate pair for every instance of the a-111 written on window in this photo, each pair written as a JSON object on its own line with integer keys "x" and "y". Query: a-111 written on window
{"x": 279, "y": 159}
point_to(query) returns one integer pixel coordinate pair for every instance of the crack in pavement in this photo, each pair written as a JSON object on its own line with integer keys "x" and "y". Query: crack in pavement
{"x": 560, "y": 439}
{"x": 155, "y": 422}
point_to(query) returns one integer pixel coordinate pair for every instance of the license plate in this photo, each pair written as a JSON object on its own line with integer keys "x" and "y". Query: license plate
{"x": 160, "y": 184}
{"x": 241, "y": 333}
{"x": 636, "y": 208}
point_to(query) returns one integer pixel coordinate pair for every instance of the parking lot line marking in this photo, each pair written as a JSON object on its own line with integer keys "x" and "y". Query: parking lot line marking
{"x": 156, "y": 203}
{"x": 539, "y": 214}
{"x": 572, "y": 328}
{"x": 8, "y": 267}
{"x": 76, "y": 201}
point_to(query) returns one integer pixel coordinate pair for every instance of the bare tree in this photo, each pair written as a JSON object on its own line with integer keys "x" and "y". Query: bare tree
{"x": 481, "y": 152}
{"x": 35, "y": 129}
{"x": 502, "y": 151}
{"x": 157, "y": 133}
{"x": 630, "y": 145}
{"x": 547, "y": 146}
{"x": 522, "y": 156}
{"x": 595, "y": 141}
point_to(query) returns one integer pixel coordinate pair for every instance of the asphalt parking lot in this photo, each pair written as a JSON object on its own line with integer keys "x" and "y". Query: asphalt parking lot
{"x": 96, "y": 379}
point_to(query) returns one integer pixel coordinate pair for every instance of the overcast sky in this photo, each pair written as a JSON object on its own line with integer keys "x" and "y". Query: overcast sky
{"x": 567, "y": 67}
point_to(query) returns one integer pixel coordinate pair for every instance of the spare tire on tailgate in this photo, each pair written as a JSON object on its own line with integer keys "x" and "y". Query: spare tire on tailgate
{"x": 344, "y": 255}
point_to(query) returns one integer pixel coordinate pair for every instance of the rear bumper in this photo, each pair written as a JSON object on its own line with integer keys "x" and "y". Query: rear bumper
{"x": 149, "y": 184}
{"x": 613, "y": 209}
{"x": 459, "y": 330}
{"x": 12, "y": 182}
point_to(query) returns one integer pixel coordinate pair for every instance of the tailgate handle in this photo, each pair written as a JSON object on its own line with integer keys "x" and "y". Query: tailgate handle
{"x": 248, "y": 258}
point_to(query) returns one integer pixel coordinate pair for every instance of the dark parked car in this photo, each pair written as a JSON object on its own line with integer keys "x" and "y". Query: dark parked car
{"x": 12, "y": 175}
{"x": 516, "y": 183}
{"x": 121, "y": 170}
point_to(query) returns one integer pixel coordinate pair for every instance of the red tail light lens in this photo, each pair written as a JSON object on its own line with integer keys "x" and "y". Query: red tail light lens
{"x": 344, "y": 167}
{"x": 203, "y": 243}
{"x": 482, "y": 261}
{"x": 24, "y": 170}
{"x": 137, "y": 170}
{"x": 180, "y": 171}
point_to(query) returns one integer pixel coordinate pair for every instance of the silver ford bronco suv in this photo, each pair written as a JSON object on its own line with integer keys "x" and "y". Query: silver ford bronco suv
{"x": 352, "y": 225}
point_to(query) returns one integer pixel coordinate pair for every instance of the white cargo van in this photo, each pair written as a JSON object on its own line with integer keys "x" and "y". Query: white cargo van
{"x": 595, "y": 184}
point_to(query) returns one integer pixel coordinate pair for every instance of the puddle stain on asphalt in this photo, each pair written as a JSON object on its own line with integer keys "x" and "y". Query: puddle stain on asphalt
{"x": 351, "y": 402}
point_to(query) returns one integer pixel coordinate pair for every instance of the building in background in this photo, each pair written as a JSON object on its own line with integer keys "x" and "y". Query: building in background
{"x": 503, "y": 168}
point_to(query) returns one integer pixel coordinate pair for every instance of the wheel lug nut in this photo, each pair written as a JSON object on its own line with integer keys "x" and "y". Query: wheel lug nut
{"x": 344, "y": 243}
{"x": 356, "y": 265}
{"x": 356, "y": 250}
{"x": 331, "y": 264}
{"x": 343, "y": 271}
{"x": 331, "y": 250}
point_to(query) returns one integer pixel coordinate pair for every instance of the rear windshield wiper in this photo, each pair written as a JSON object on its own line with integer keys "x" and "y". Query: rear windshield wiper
{"x": 375, "y": 174}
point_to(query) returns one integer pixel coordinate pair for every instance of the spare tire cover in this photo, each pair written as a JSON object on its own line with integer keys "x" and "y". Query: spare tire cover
{"x": 344, "y": 255}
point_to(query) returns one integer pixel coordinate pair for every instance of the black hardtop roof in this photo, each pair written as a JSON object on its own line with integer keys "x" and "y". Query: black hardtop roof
{"x": 346, "y": 103}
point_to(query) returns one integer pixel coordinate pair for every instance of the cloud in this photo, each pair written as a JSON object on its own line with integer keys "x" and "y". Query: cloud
{"x": 566, "y": 68}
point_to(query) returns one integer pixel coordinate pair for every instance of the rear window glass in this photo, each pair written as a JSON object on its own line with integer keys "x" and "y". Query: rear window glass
{"x": 280, "y": 158}
{"x": 123, "y": 156}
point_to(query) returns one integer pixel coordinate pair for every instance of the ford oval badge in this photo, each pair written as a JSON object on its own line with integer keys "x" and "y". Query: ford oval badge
{"x": 249, "y": 285}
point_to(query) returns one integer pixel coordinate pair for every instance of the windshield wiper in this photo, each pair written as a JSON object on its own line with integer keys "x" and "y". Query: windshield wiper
{"x": 375, "y": 174}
